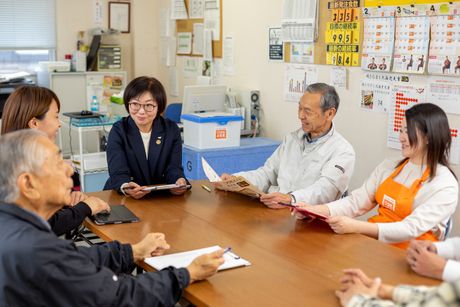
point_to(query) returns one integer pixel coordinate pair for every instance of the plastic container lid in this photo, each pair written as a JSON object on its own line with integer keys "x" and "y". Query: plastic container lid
{"x": 212, "y": 117}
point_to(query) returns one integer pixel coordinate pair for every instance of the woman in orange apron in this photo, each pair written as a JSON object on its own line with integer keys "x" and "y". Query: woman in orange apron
{"x": 415, "y": 197}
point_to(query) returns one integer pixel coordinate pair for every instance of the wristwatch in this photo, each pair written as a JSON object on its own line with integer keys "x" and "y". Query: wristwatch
{"x": 293, "y": 199}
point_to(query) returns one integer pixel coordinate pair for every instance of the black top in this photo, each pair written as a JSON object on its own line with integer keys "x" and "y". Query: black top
{"x": 126, "y": 154}
{"x": 38, "y": 269}
{"x": 69, "y": 218}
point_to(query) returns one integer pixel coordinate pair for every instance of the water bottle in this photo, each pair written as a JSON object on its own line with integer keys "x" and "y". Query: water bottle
{"x": 94, "y": 106}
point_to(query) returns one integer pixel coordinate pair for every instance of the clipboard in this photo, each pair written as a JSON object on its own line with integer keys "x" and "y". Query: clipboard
{"x": 311, "y": 214}
{"x": 165, "y": 187}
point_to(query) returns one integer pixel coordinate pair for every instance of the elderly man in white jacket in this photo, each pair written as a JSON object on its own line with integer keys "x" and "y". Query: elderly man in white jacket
{"x": 314, "y": 164}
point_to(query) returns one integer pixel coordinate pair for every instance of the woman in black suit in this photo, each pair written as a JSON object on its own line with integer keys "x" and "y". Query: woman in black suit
{"x": 144, "y": 148}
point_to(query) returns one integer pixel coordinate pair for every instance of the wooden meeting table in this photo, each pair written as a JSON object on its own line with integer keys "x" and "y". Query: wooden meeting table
{"x": 294, "y": 263}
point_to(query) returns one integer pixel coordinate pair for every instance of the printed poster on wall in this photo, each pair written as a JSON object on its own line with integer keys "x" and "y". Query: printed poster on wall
{"x": 275, "y": 44}
{"x": 444, "y": 92}
{"x": 297, "y": 78}
{"x": 445, "y": 46}
{"x": 375, "y": 95}
{"x": 403, "y": 97}
{"x": 411, "y": 44}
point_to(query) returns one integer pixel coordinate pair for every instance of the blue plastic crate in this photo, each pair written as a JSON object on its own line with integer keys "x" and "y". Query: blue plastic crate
{"x": 251, "y": 154}
{"x": 95, "y": 182}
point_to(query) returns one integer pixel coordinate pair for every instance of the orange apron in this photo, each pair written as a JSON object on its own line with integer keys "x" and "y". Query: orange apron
{"x": 395, "y": 202}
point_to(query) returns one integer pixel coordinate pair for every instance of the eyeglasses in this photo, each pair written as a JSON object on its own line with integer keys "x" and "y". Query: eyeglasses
{"x": 136, "y": 106}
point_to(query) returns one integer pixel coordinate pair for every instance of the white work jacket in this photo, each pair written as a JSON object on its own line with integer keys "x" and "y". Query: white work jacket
{"x": 315, "y": 173}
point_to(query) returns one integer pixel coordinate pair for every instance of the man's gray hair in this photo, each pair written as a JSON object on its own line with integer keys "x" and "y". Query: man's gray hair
{"x": 20, "y": 152}
{"x": 329, "y": 97}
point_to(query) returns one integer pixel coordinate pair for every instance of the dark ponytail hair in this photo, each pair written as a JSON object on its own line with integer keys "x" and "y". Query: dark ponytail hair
{"x": 431, "y": 121}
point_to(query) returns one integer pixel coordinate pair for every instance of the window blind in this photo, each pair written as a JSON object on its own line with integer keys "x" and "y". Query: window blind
{"x": 27, "y": 24}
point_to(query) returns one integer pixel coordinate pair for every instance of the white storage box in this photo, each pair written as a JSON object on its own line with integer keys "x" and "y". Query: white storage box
{"x": 211, "y": 130}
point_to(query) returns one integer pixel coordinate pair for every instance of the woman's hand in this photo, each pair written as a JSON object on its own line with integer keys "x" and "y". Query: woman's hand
{"x": 179, "y": 191}
{"x": 134, "y": 190}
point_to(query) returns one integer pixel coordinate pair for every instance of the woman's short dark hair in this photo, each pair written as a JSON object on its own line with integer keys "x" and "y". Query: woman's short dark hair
{"x": 431, "y": 121}
{"x": 24, "y": 104}
{"x": 143, "y": 84}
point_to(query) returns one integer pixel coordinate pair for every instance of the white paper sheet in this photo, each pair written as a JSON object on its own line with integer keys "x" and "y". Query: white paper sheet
{"x": 182, "y": 260}
{"x": 376, "y": 95}
{"x": 212, "y": 17}
{"x": 217, "y": 72}
{"x": 339, "y": 77}
{"x": 207, "y": 48}
{"x": 98, "y": 16}
{"x": 302, "y": 53}
{"x": 184, "y": 42}
{"x": 191, "y": 67}
{"x": 198, "y": 39}
{"x": 445, "y": 92}
{"x": 228, "y": 55}
{"x": 299, "y": 21}
{"x": 196, "y": 9}
{"x": 173, "y": 82}
{"x": 178, "y": 9}
{"x": 166, "y": 23}
{"x": 209, "y": 171}
{"x": 454, "y": 147}
{"x": 297, "y": 78}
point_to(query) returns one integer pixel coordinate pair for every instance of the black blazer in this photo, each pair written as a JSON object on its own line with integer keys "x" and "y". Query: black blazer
{"x": 126, "y": 154}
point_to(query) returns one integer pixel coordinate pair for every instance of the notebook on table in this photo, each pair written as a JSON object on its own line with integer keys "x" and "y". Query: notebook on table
{"x": 118, "y": 214}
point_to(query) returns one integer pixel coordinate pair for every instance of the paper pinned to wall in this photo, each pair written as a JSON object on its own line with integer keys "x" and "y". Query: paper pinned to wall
{"x": 167, "y": 25}
{"x": 300, "y": 20}
{"x": 168, "y": 51}
{"x": 178, "y": 10}
{"x": 212, "y": 17}
{"x": 376, "y": 95}
{"x": 339, "y": 77}
{"x": 196, "y": 9}
{"x": 275, "y": 44}
{"x": 228, "y": 55}
{"x": 173, "y": 82}
{"x": 184, "y": 42}
{"x": 192, "y": 66}
{"x": 444, "y": 92}
{"x": 203, "y": 80}
{"x": 207, "y": 47}
{"x": 302, "y": 53}
{"x": 98, "y": 16}
{"x": 198, "y": 39}
{"x": 403, "y": 97}
{"x": 297, "y": 78}
{"x": 217, "y": 72}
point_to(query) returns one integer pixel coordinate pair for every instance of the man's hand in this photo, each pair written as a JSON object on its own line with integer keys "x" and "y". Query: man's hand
{"x": 134, "y": 190}
{"x": 356, "y": 286}
{"x": 206, "y": 265}
{"x": 424, "y": 261}
{"x": 153, "y": 244}
{"x": 182, "y": 190}
{"x": 224, "y": 177}
{"x": 350, "y": 275}
{"x": 76, "y": 197}
{"x": 273, "y": 200}
{"x": 97, "y": 205}
{"x": 417, "y": 244}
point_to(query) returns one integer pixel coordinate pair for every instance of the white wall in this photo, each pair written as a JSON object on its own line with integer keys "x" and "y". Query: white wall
{"x": 248, "y": 21}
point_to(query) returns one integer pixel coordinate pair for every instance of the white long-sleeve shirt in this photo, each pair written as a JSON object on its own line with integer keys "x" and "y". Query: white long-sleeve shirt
{"x": 433, "y": 205}
{"x": 450, "y": 249}
{"x": 315, "y": 172}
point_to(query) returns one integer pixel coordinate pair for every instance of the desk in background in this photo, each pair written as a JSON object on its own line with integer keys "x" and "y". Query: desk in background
{"x": 251, "y": 154}
{"x": 294, "y": 263}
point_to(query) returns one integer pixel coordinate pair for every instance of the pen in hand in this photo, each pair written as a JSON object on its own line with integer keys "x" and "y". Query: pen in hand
{"x": 206, "y": 188}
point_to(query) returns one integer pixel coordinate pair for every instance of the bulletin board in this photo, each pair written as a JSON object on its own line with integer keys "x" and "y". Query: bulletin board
{"x": 320, "y": 48}
{"x": 186, "y": 25}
